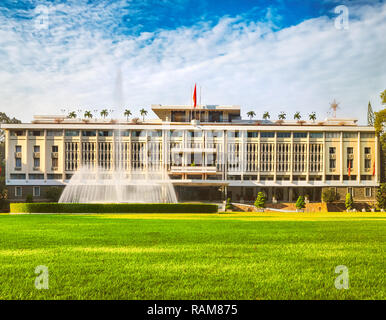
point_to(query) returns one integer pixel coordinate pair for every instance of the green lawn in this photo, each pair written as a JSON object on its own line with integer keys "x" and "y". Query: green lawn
{"x": 193, "y": 256}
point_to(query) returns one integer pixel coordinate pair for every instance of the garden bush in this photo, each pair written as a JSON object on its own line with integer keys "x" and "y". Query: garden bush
{"x": 112, "y": 208}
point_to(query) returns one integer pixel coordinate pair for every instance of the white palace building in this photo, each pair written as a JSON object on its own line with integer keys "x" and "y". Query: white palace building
{"x": 209, "y": 154}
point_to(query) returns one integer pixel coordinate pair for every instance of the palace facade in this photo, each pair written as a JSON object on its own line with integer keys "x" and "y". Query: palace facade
{"x": 209, "y": 154}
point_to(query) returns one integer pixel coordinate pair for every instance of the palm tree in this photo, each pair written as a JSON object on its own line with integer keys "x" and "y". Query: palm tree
{"x": 88, "y": 114}
{"x": 312, "y": 116}
{"x": 297, "y": 115}
{"x": 104, "y": 113}
{"x": 72, "y": 115}
{"x": 282, "y": 115}
{"x": 251, "y": 114}
{"x": 127, "y": 114}
{"x": 266, "y": 115}
{"x": 143, "y": 113}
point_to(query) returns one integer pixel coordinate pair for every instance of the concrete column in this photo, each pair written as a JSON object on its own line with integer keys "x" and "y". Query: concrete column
{"x": 292, "y": 158}
{"x": 308, "y": 158}
{"x": 377, "y": 159}
{"x": 258, "y": 157}
{"x": 359, "y": 158}
{"x": 325, "y": 158}
{"x": 341, "y": 157}
{"x": 274, "y": 157}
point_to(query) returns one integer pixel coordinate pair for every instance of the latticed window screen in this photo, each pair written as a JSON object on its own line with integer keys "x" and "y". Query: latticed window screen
{"x": 122, "y": 155}
{"x": 299, "y": 157}
{"x": 71, "y": 156}
{"x": 138, "y": 155}
{"x": 266, "y": 156}
{"x": 105, "y": 155}
{"x": 316, "y": 157}
{"x": 283, "y": 157}
{"x": 252, "y": 157}
{"x": 88, "y": 154}
{"x": 233, "y": 157}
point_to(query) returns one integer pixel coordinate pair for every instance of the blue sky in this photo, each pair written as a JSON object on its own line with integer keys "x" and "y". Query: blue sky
{"x": 262, "y": 55}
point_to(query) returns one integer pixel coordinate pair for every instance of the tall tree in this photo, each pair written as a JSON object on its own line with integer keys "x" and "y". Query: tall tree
{"x": 266, "y": 115}
{"x": 4, "y": 119}
{"x": 282, "y": 115}
{"x": 312, "y": 116}
{"x": 383, "y": 97}
{"x": 143, "y": 113}
{"x": 297, "y": 115}
{"x": 379, "y": 125}
{"x": 127, "y": 114}
{"x": 104, "y": 113}
{"x": 88, "y": 114}
{"x": 251, "y": 114}
{"x": 370, "y": 115}
{"x": 72, "y": 115}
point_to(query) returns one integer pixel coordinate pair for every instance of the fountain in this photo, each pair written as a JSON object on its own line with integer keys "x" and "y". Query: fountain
{"x": 96, "y": 185}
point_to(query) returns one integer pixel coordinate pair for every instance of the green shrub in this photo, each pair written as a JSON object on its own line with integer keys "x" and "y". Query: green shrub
{"x": 300, "y": 204}
{"x": 328, "y": 195}
{"x": 53, "y": 194}
{"x": 381, "y": 197}
{"x": 29, "y": 198}
{"x": 349, "y": 203}
{"x": 228, "y": 205}
{"x": 112, "y": 208}
{"x": 260, "y": 200}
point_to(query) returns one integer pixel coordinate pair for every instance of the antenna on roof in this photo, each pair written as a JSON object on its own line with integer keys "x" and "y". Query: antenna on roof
{"x": 334, "y": 106}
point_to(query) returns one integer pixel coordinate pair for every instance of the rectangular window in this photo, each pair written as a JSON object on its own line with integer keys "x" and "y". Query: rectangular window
{"x": 54, "y": 133}
{"x": 36, "y": 191}
{"x": 332, "y": 150}
{"x": 18, "y": 133}
{"x": 17, "y": 176}
{"x": 72, "y": 133}
{"x": 368, "y": 192}
{"x": 17, "y": 148}
{"x": 350, "y": 150}
{"x": 267, "y": 135}
{"x": 316, "y": 135}
{"x": 107, "y": 133}
{"x": 367, "y": 150}
{"x": 36, "y": 162}
{"x": 36, "y": 133}
{"x": 137, "y": 134}
{"x": 233, "y": 134}
{"x": 89, "y": 133}
{"x": 284, "y": 134}
{"x": 18, "y": 162}
{"x": 367, "y": 135}
{"x": 253, "y": 134}
{"x": 36, "y": 176}
{"x": 332, "y": 163}
{"x": 350, "y": 191}
{"x": 367, "y": 163}
{"x": 350, "y": 135}
{"x": 18, "y": 192}
{"x": 154, "y": 133}
{"x": 300, "y": 134}
{"x": 54, "y": 163}
{"x": 214, "y": 134}
{"x": 36, "y": 148}
{"x": 54, "y": 149}
{"x": 195, "y": 134}
{"x": 333, "y": 135}
{"x": 54, "y": 176}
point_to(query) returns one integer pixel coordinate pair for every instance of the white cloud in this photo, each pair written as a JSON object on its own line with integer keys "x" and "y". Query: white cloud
{"x": 301, "y": 68}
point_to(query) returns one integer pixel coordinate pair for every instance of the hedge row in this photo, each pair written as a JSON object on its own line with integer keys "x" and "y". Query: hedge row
{"x": 113, "y": 208}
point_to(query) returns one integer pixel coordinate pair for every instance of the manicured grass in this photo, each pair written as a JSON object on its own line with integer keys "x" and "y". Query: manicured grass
{"x": 193, "y": 256}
